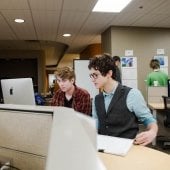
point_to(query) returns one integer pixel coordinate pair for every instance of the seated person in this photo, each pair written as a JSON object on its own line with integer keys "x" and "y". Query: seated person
{"x": 117, "y": 109}
{"x": 69, "y": 95}
{"x": 116, "y": 60}
{"x": 156, "y": 77}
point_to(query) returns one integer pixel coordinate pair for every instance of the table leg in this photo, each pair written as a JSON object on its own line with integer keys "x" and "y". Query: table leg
{"x": 154, "y": 115}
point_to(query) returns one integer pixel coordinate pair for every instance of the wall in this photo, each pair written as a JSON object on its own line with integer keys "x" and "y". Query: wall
{"x": 67, "y": 60}
{"x": 39, "y": 55}
{"x": 143, "y": 41}
{"x": 106, "y": 41}
{"x": 82, "y": 77}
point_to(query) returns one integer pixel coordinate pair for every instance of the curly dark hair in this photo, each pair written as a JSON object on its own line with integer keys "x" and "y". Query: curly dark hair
{"x": 116, "y": 58}
{"x": 104, "y": 63}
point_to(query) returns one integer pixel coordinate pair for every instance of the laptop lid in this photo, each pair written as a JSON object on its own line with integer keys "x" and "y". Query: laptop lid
{"x": 18, "y": 91}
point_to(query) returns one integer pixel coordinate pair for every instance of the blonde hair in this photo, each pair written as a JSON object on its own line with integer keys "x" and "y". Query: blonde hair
{"x": 65, "y": 73}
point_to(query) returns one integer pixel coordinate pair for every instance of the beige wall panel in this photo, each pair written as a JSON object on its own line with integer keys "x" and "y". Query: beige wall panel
{"x": 25, "y": 131}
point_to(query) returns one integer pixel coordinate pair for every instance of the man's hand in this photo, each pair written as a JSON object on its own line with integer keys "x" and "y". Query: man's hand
{"x": 144, "y": 138}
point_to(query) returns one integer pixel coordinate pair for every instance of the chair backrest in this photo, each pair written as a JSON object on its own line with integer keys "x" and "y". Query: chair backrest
{"x": 166, "y": 100}
{"x": 167, "y": 110}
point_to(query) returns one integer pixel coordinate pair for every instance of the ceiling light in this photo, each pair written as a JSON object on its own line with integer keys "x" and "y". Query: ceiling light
{"x": 110, "y": 5}
{"x": 66, "y": 35}
{"x": 19, "y": 20}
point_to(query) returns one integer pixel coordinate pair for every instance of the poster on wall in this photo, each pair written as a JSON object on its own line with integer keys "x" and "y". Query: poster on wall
{"x": 129, "y": 71}
{"x": 163, "y": 60}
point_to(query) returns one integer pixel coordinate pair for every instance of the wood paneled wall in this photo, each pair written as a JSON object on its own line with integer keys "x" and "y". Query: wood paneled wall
{"x": 90, "y": 51}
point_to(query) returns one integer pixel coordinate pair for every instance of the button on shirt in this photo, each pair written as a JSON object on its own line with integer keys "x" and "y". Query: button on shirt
{"x": 135, "y": 103}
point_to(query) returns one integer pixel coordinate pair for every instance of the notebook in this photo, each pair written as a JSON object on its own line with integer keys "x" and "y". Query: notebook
{"x": 114, "y": 145}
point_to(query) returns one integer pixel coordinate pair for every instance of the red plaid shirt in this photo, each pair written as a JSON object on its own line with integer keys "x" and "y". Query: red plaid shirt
{"x": 81, "y": 100}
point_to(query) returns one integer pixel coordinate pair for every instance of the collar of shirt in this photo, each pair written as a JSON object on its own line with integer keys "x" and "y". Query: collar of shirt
{"x": 107, "y": 98}
{"x": 156, "y": 70}
{"x": 105, "y": 94}
{"x": 109, "y": 94}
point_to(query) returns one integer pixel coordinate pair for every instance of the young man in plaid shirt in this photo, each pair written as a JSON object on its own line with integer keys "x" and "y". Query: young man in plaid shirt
{"x": 69, "y": 95}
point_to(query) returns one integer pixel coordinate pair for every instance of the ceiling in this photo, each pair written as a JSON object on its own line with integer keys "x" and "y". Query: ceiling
{"x": 49, "y": 19}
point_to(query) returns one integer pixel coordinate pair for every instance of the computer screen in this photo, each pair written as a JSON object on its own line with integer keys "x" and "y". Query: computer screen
{"x": 72, "y": 141}
{"x": 18, "y": 91}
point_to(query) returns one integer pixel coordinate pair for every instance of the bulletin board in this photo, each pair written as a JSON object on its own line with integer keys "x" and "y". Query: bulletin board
{"x": 129, "y": 71}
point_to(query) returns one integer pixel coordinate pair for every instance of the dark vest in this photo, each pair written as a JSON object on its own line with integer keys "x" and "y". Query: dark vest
{"x": 118, "y": 121}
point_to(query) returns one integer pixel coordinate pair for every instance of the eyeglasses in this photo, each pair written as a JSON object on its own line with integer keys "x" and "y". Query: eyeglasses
{"x": 94, "y": 75}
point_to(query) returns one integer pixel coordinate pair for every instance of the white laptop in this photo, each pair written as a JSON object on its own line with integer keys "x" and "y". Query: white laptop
{"x": 18, "y": 91}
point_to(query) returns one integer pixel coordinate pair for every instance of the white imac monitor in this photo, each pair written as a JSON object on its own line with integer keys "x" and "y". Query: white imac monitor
{"x": 18, "y": 91}
{"x": 72, "y": 141}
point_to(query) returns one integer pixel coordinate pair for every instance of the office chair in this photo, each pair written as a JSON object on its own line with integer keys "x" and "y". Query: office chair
{"x": 167, "y": 111}
{"x": 165, "y": 140}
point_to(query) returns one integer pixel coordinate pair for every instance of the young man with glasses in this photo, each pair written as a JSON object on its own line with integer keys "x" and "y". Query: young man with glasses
{"x": 117, "y": 109}
{"x": 69, "y": 95}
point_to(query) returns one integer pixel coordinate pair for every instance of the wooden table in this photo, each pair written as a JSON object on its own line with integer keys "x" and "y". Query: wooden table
{"x": 138, "y": 158}
{"x": 155, "y": 107}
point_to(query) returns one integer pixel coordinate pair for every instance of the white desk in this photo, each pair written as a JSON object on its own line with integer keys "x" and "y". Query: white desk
{"x": 24, "y": 135}
{"x": 28, "y": 136}
{"x": 138, "y": 158}
{"x": 35, "y": 108}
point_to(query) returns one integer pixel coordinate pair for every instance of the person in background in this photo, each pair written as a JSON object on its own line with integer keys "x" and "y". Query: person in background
{"x": 116, "y": 61}
{"x": 156, "y": 77}
{"x": 117, "y": 109}
{"x": 39, "y": 99}
{"x": 69, "y": 95}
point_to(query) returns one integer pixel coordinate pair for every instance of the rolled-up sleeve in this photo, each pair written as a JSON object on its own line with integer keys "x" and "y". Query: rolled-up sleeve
{"x": 136, "y": 103}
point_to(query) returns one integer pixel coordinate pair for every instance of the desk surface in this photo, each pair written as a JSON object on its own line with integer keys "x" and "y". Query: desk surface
{"x": 138, "y": 158}
{"x": 156, "y": 105}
